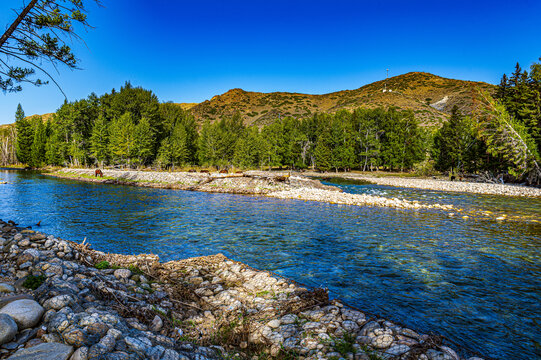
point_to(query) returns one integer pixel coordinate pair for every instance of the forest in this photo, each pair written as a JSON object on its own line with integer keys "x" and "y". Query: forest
{"x": 132, "y": 128}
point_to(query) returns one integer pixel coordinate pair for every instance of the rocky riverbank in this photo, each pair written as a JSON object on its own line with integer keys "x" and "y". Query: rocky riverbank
{"x": 86, "y": 304}
{"x": 261, "y": 183}
{"x": 438, "y": 184}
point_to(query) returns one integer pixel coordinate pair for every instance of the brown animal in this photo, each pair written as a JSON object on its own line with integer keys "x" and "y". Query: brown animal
{"x": 224, "y": 171}
{"x": 239, "y": 172}
{"x": 98, "y": 173}
{"x": 204, "y": 171}
{"x": 192, "y": 170}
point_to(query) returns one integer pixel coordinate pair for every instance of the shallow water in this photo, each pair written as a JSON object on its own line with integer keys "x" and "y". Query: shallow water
{"x": 476, "y": 281}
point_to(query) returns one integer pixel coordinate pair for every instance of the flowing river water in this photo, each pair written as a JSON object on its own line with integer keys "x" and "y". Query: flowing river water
{"x": 475, "y": 281}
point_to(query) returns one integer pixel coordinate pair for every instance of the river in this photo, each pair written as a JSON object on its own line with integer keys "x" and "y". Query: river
{"x": 475, "y": 281}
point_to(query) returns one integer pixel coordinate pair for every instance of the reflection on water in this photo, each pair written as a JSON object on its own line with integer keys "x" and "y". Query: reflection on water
{"x": 476, "y": 281}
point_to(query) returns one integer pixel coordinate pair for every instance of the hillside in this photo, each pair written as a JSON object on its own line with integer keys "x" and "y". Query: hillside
{"x": 431, "y": 97}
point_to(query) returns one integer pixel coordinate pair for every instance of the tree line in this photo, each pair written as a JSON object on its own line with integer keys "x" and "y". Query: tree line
{"x": 131, "y": 128}
{"x": 503, "y": 134}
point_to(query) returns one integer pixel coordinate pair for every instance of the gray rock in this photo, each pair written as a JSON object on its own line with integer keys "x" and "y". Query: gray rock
{"x": 155, "y": 353}
{"x": 80, "y": 354}
{"x": 32, "y": 252}
{"x": 450, "y": 352}
{"x": 170, "y": 355}
{"x": 8, "y": 328}
{"x": 45, "y": 351}
{"x": 137, "y": 345}
{"x": 11, "y": 298}
{"x": 157, "y": 324}
{"x": 437, "y": 355}
{"x": 59, "y": 302}
{"x": 289, "y": 319}
{"x": 382, "y": 341}
{"x": 397, "y": 350}
{"x": 122, "y": 273}
{"x": 26, "y": 313}
{"x": 6, "y": 288}
{"x": 273, "y": 323}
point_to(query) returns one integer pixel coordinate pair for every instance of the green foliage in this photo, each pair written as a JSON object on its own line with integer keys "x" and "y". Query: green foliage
{"x": 102, "y": 265}
{"x": 344, "y": 345}
{"x": 454, "y": 144}
{"x": 39, "y": 35}
{"x": 122, "y": 138}
{"x": 25, "y": 137}
{"x": 38, "y": 144}
{"x": 135, "y": 270}
{"x": 520, "y": 94}
{"x": 99, "y": 141}
{"x": 508, "y": 138}
{"x": 33, "y": 282}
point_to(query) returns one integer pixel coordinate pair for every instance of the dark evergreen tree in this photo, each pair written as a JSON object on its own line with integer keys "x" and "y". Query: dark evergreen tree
{"x": 39, "y": 143}
{"x": 25, "y": 137}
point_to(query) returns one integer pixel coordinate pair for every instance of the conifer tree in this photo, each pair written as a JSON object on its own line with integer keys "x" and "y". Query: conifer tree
{"x": 25, "y": 137}
{"x": 508, "y": 138}
{"x": 99, "y": 141}
{"x": 39, "y": 144}
{"x": 144, "y": 141}
{"x": 122, "y": 138}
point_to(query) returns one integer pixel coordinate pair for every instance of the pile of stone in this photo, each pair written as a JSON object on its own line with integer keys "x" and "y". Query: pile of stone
{"x": 247, "y": 183}
{"x": 199, "y": 308}
{"x": 442, "y": 185}
{"x": 334, "y": 197}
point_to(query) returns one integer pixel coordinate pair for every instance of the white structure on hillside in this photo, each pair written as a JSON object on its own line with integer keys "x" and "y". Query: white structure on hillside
{"x": 385, "y": 86}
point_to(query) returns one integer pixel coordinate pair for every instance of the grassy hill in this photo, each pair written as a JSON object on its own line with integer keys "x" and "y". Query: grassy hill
{"x": 431, "y": 97}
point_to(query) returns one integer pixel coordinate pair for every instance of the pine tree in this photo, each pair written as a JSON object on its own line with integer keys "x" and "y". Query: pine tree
{"x": 180, "y": 152}
{"x": 52, "y": 149}
{"x": 99, "y": 141}
{"x": 39, "y": 144}
{"x": 248, "y": 149}
{"x": 25, "y": 137}
{"x": 122, "y": 138}
{"x": 451, "y": 143}
{"x": 165, "y": 154}
{"x": 144, "y": 141}
{"x": 509, "y": 139}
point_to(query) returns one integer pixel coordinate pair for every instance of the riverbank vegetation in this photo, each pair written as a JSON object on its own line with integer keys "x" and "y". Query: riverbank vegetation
{"x": 131, "y": 128}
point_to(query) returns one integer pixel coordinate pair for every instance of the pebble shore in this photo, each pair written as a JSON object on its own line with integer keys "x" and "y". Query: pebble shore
{"x": 93, "y": 305}
{"x": 262, "y": 183}
{"x": 440, "y": 185}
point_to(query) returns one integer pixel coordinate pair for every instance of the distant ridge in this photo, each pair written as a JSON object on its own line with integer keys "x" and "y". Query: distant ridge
{"x": 431, "y": 97}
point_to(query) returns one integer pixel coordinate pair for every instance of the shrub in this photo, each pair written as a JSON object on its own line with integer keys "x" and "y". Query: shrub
{"x": 102, "y": 265}
{"x": 33, "y": 282}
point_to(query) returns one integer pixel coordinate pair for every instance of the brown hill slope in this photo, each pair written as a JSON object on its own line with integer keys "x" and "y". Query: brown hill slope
{"x": 431, "y": 97}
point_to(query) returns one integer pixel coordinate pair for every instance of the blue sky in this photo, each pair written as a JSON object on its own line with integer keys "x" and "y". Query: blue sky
{"x": 188, "y": 51}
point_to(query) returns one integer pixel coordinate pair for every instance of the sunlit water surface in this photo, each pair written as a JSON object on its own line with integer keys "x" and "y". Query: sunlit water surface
{"x": 477, "y": 282}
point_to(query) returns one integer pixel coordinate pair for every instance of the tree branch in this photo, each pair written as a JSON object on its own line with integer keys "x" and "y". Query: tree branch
{"x": 17, "y": 21}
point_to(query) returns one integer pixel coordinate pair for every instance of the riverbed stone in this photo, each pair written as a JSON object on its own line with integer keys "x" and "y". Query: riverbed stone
{"x": 122, "y": 274}
{"x": 382, "y": 341}
{"x": 6, "y": 288}
{"x": 157, "y": 323}
{"x": 26, "y": 313}
{"x": 45, "y": 351}
{"x": 8, "y": 328}
{"x": 58, "y": 302}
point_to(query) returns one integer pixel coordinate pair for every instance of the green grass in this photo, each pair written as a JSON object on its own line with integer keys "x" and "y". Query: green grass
{"x": 102, "y": 265}
{"x": 344, "y": 345}
{"x": 33, "y": 282}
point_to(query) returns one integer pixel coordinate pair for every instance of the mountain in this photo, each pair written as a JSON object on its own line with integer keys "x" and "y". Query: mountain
{"x": 431, "y": 98}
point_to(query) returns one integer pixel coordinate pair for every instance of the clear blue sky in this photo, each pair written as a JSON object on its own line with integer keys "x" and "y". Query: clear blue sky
{"x": 188, "y": 51}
